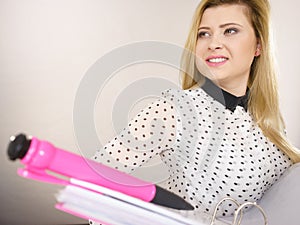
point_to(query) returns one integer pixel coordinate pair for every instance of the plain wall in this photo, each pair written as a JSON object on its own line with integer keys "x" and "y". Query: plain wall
{"x": 46, "y": 48}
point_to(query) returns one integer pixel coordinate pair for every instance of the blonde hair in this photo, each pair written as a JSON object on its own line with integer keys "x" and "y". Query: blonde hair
{"x": 263, "y": 101}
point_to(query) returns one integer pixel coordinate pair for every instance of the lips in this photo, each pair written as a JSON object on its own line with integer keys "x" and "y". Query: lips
{"x": 216, "y": 60}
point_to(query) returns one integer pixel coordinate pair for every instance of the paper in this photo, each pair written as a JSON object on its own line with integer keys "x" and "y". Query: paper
{"x": 111, "y": 207}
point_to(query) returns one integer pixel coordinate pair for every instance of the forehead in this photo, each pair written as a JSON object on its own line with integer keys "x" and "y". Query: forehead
{"x": 226, "y": 13}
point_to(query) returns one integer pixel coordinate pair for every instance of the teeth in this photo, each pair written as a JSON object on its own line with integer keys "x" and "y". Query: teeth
{"x": 217, "y": 60}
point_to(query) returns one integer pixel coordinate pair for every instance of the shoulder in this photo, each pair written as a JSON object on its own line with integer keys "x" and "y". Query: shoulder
{"x": 196, "y": 96}
{"x": 177, "y": 94}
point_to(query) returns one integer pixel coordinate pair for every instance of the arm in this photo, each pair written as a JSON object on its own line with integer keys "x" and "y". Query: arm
{"x": 147, "y": 134}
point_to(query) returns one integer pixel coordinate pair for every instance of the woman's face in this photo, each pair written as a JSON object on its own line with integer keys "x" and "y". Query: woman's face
{"x": 227, "y": 45}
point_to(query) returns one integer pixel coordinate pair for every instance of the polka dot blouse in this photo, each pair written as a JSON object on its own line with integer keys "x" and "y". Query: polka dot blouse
{"x": 209, "y": 143}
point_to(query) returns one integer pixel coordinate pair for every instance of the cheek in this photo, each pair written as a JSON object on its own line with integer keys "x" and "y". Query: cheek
{"x": 198, "y": 54}
{"x": 247, "y": 47}
{"x": 244, "y": 51}
{"x": 249, "y": 54}
{"x": 199, "y": 49}
{"x": 200, "y": 62}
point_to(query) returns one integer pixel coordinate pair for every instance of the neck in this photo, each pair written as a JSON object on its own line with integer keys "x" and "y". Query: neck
{"x": 235, "y": 88}
{"x": 236, "y": 91}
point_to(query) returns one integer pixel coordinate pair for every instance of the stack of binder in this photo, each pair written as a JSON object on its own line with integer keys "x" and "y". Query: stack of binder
{"x": 90, "y": 201}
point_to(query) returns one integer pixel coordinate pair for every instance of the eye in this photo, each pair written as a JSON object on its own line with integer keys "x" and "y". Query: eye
{"x": 231, "y": 31}
{"x": 203, "y": 34}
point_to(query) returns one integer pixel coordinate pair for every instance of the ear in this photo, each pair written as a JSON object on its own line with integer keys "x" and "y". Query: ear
{"x": 258, "y": 49}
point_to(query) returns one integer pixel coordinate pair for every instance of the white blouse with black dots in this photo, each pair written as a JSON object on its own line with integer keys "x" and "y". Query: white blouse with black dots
{"x": 211, "y": 152}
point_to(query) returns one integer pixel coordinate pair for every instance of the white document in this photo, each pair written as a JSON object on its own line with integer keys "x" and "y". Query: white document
{"x": 114, "y": 208}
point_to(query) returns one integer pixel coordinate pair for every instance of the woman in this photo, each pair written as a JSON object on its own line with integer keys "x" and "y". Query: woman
{"x": 223, "y": 135}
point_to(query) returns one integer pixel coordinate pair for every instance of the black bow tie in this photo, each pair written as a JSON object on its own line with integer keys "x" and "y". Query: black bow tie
{"x": 231, "y": 101}
{"x": 225, "y": 98}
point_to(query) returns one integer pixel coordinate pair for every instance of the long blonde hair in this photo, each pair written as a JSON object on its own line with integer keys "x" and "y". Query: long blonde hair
{"x": 263, "y": 101}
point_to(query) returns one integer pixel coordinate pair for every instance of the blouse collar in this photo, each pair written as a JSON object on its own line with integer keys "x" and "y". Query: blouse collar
{"x": 225, "y": 98}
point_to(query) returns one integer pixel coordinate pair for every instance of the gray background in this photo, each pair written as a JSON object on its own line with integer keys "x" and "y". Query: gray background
{"x": 47, "y": 46}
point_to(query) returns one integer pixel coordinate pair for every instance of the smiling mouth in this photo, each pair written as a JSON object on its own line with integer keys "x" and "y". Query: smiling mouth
{"x": 217, "y": 60}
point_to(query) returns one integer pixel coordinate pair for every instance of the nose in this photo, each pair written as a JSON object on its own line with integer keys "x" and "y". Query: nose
{"x": 215, "y": 43}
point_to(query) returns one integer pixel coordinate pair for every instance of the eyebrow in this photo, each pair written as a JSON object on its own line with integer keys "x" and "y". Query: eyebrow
{"x": 222, "y": 26}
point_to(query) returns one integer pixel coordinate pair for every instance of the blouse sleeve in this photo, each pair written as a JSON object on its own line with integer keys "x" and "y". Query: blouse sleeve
{"x": 149, "y": 133}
